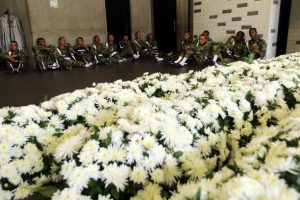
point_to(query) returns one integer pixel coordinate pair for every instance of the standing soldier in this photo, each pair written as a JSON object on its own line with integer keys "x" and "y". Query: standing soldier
{"x": 99, "y": 51}
{"x": 66, "y": 55}
{"x": 140, "y": 46}
{"x": 45, "y": 55}
{"x": 126, "y": 48}
{"x": 83, "y": 52}
{"x": 256, "y": 45}
{"x": 183, "y": 48}
{"x": 234, "y": 49}
{"x": 112, "y": 50}
{"x": 200, "y": 53}
{"x": 15, "y": 58}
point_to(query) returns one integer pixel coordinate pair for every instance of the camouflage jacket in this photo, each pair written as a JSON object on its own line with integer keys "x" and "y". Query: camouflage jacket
{"x": 262, "y": 47}
{"x": 66, "y": 51}
{"x": 80, "y": 48}
{"x": 99, "y": 48}
{"x": 111, "y": 47}
{"x": 126, "y": 47}
{"x": 139, "y": 45}
{"x": 152, "y": 46}
{"x": 41, "y": 52}
{"x": 201, "y": 53}
{"x": 236, "y": 49}
{"x": 19, "y": 55}
{"x": 183, "y": 43}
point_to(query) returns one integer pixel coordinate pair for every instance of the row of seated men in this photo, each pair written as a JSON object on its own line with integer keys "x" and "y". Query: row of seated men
{"x": 198, "y": 52}
{"x": 201, "y": 51}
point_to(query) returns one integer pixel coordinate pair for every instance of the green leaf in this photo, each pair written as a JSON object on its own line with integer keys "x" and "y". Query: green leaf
{"x": 198, "y": 194}
{"x": 46, "y": 191}
{"x": 177, "y": 154}
{"x": 114, "y": 192}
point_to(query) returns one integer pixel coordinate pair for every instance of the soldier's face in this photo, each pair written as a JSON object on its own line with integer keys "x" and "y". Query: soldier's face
{"x": 13, "y": 46}
{"x": 253, "y": 34}
{"x": 62, "y": 42}
{"x": 111, "y": 38}
{"x": 41, "y": 43}
{"x": 138, "y": 35}
{"x": 79, "y": 41}
{"x": 202, "y": 40}
{"x": 125, "y": 38}
{"x": 239, "y": 37}
{"x": 186, "y": 36}
{"x": 97, "y": 39}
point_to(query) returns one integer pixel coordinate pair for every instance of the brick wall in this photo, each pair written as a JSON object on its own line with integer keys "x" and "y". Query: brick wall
{"x": 293, "y": 43}
{"x": 224, "y": 18}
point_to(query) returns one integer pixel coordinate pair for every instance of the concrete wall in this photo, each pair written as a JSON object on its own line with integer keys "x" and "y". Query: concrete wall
{"x": 18, "y": 8}
{"x": 293, "y": 44}
{"x": 71, "y": 19}
{"x": 224, "y": 18}
{"x": 141, "y": 17}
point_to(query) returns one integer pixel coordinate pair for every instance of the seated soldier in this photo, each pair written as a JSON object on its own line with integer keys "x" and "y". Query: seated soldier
{"x": 83, "y": 53}
{"x": 200, "y": 53}
{"x": 206, "y": 32}
{"x": 183, "y": 48}
{"x": 66, "y": 55}
{"x": 153, "y": 48}
{"x": 235, "y": 49}
{"x": 112, "y": 50}
{"x": 99, "y": 51}
{"x": 257, "y": 46}
{"x": 45, "y": 55}
{"x": 126, "y": 48}
{"x": 140, "y": 46}
{"x": 15, "y": 58}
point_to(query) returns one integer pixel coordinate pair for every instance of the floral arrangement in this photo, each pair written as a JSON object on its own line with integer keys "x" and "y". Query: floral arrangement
{"x": 222, "y": 133}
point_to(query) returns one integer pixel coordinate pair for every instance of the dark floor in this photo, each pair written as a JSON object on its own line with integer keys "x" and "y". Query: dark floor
{"x": 32, "y": 87}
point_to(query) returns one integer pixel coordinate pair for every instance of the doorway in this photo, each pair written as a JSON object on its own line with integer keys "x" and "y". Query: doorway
{"x": 118, "y": 18}
{"x": 283, "y": 27}
{"x": 164, "y": 12}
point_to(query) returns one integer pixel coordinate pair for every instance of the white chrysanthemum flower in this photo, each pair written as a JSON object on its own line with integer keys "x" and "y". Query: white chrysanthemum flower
{"x": 68, "y": 147}
{"x": 139, "y": 175}
{"x": 69, "y": 194}
{"x": 67, "y": 168}
{"x": 103, "y": 156}
{"x": 56, "y": 122}
{"x": 157, "y": 175}
{"x": 22, "y": 191}
{"x": 78, "y": 179}
{"x": 134, "y": 153}
{"x": 6, "y": 195}
{"x": 106, "y": 197}
{"x": 260, "y": 98}
{"x": 116, "y": 175}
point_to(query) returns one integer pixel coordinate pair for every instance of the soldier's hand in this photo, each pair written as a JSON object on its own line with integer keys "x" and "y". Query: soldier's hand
{"x": 255, "y": 50}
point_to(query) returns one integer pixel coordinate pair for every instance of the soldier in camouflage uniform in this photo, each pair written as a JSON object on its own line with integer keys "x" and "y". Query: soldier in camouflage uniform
{"x": 66, "y": 55}
{"x": 126, "y": 48}
{"x": 234, "y": 49}
{"x": 151, "y": 45}
{"x": 99, "y": 51}
{"x": 257, "y": 46}
{"x": 200, "y": 53}
{"x": 183, "y": 49}
{"x": 112, "y": 50}
{"x": 83, "y": 52}
{"x": 45, "y": 55}
{"x": 140, "y": 46}
{"x": 15, "y": 58}
{"x": 209, "y": 40}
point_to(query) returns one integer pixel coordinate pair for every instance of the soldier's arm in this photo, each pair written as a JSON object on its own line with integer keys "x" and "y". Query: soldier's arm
{"x": 263, "y": 49}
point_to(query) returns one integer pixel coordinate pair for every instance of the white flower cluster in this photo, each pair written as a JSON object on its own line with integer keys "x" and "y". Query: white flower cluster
{"x": 231, "y": 131}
